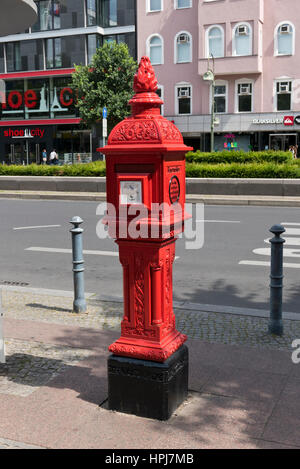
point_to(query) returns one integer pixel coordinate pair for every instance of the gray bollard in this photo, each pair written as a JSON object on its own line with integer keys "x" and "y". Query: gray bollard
{"x": 79, "y": 304}
{"x": 276, "y": 276}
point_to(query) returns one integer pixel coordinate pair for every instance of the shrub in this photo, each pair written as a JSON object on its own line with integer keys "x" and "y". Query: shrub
{"x": 236, "y": 170}
{"x": 96, "y": 168}
{"x": 239, "y": 157}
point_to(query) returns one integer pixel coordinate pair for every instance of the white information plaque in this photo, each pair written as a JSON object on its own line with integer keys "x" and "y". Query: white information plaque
{"x": 131, "y": 192}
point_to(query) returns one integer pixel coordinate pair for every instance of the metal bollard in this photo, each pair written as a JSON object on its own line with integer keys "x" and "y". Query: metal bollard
{"x": 276, "y": 276}
{"x": 79, "y": 304}
{"x": 2, "y": 345}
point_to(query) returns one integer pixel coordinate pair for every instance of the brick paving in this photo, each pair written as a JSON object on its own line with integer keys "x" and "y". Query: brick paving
{"x": 239, "y": 382}
{"x": 210, "y": 327}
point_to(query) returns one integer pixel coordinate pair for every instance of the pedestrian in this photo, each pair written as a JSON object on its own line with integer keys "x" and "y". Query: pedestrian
{"x": 53, "y": 157}
{"x": 44, "y": 156}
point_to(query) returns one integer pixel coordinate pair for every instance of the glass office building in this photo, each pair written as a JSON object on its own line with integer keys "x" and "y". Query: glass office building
{"x": 37, "y": 108}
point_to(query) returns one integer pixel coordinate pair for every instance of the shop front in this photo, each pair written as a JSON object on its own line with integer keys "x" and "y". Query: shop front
{"x": 242, "y": 132}
{"x": 24, "y": 145}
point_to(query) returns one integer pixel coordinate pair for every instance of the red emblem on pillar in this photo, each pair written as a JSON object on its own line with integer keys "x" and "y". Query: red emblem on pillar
{"x": 145, "y": 159}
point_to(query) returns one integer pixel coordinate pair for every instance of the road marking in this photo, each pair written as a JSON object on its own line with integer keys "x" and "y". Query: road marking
{"x": 69, "y": 251}
{"x": 268, "y": 264}
{"x": 217, "y": 221}
{"x": 36, "y": 227}
{"x": 288, "y": 241}
{"x": 292, "y": 231}
{"x": 290, "y": 224}
{"x": 286, "y": 252}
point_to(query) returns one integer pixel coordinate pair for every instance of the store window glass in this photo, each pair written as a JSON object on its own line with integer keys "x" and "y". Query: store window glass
{"x": 38, "y": 99}
{"x": 13, "y": 105}
{"x": 62, "y": 98}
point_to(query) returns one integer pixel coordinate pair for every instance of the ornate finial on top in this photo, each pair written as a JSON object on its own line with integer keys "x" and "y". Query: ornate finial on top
{"x": 145, "y": 80}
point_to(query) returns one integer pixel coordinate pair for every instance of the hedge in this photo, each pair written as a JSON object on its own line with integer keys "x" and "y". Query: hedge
{"x": 288, "y": 170}
{"x": 240, "y": 157}
{"x": 249, "y": 170}
{"x": 84, "y": 170}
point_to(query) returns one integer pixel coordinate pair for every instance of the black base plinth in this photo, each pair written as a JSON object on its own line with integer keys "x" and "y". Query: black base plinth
{"x": 147, "y": 388}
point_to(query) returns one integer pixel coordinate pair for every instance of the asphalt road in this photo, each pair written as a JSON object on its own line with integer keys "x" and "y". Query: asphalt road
{"x": 219, "y": 273}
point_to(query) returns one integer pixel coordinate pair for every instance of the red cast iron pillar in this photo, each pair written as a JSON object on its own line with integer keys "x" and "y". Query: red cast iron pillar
{"x": 145, "y": 159}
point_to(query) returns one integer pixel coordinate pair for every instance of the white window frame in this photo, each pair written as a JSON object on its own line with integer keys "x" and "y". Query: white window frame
{"x": 176, "y": 51}
{"x": 162, "y": 47}
{"x": 183, "y": 85}
{"x": 237, "y": 83}
{"x": 276, "y": 33}
{"x": 243, "y": 23}
{"x": 220, "y": 83}
{"x": 282, "y": 80}
{"x": 176, "y": 7}
{"x": 148, "y": 10}
{"x": 207, "y": 53}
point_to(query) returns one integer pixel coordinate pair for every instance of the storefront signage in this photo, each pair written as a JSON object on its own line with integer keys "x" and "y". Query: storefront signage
{"x": 288, "y": 120}
{"x": 230, "y": 144}
{"x": 297, "y": 120}
{"x": 268, "y": 121}
{"x": 24, "y": 133}
{"x": 38, "y": 100}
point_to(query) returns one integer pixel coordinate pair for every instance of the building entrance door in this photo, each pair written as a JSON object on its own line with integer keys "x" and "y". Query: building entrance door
{"x": 282, "y": 142}
{"x": 24, "y": 152}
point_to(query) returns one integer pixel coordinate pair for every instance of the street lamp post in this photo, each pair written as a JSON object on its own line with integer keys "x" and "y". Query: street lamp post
{"x": 210, "y": 76}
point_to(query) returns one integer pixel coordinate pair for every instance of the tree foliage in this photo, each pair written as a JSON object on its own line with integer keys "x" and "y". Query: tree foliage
{"x": 107, "y": 82}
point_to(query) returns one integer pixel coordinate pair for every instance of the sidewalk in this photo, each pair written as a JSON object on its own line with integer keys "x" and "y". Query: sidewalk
{"x": 244, "y": 387}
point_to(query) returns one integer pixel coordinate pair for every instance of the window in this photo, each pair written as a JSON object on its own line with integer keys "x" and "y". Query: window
{"x": 91, "y": 12}
{"x": 284, "y": 95}
{"x": 155, "y": 50}
{"x": 127, "y": 38}
{"x": 183, "y": 4}
{"x": 183, "y": 48}
{"x": 183, "y": 99}
{"x": 220, "y": 96}
{"x": 48, "y": 16}
{"x": 13, "y": 57}
{"x": 154, "y": 5}
{"x": 160, "y": 93}
{"x": 244, "y": 97}
{"x": 53, "y": 53}
{"x": 285, "y": 39}
{"x": 242, "y": 39}
{"x": 215, "y": 42}
{"x": 93, "y": 42}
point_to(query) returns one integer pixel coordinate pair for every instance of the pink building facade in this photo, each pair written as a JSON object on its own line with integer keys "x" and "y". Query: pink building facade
{"x": 252, "y": 47}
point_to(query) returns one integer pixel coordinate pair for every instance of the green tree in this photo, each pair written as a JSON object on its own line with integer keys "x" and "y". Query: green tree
{"x": 107, "y": 82}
